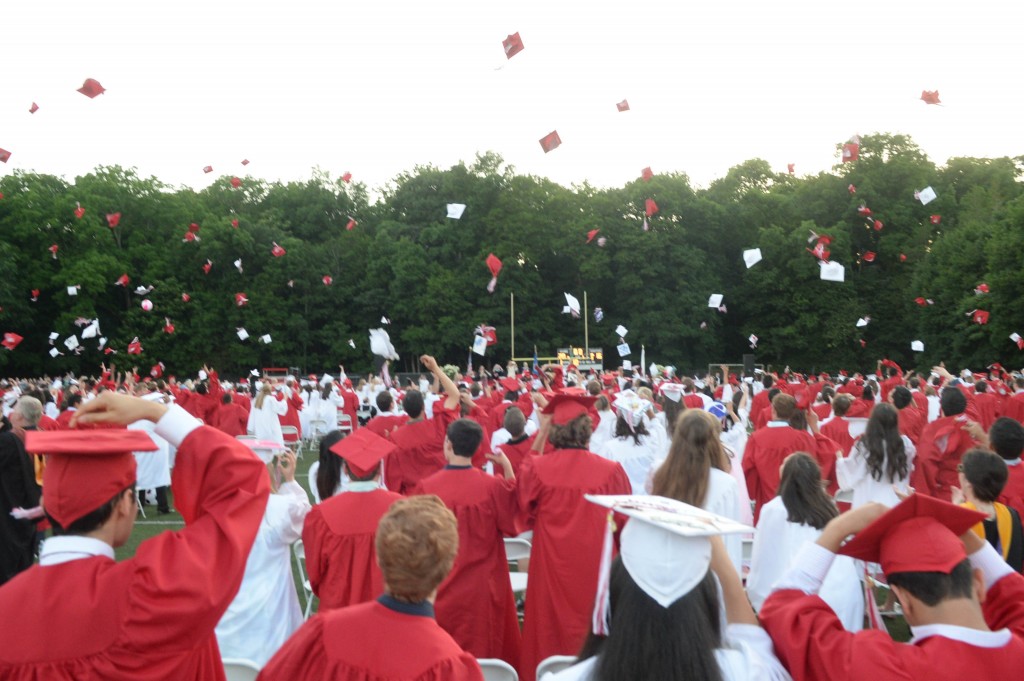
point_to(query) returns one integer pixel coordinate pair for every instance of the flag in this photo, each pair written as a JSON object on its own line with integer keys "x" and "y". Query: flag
{"x": 536, "y": 362}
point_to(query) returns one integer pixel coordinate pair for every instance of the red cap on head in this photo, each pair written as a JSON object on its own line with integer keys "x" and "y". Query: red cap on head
{"x": 921, "y": 534}
{"x": 363, "y": 451}
{"x": 564, "y": 407}
{"x": 85, "y": 468}
{"x": 510, "y": 384}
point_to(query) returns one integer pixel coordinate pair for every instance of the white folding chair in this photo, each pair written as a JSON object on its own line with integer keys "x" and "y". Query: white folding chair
{"x": 554, "y": 664}
{"x": 497, "y": 670}
{"x": 294, "y": 444}
{"x": 299, "y": 550}
{"x": 517, "y": 548}
{"x": 246, "y": 437}
{"x": 317, "y": 427}
{"x": 344, "y": 423}
{"x": 236, "y": 669}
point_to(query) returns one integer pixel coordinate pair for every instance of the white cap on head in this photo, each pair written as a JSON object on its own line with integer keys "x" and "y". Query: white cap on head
{"x": 631, "y": 406}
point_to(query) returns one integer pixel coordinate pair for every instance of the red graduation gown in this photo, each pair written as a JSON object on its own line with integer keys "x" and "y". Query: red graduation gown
{"x": 812, "y": 644}
{"x": 1013, "y": 492}
{"x": 942, "y": 444}
{"x": 475, "y": 603}
{"x": 766, "y": 450}
{"x": 371, "y": 642}
{"x": 568, "y": 532}
{"x": 338, "y": 537}
{"x": 911, "y": 423}
{"x": 420, "y": 450}
{"x": 838, "y": 430}
{"x": 151, "y": 616}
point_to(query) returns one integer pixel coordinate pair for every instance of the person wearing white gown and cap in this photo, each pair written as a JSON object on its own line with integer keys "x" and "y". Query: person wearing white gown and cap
{"x": 666, "y": 620}
{"x": 633, "y": 446}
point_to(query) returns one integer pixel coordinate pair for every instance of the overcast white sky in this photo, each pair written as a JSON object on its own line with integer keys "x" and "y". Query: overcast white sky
{"x": 379, "y": 86}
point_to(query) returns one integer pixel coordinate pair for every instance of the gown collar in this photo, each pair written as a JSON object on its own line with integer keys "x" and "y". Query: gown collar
{"x": 421, "y": 609}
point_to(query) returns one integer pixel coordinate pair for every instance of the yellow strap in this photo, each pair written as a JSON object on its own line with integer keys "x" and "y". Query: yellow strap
{"x": 1004, "y": 526}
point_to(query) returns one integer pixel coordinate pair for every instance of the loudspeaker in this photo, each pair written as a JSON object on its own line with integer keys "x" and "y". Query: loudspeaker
{"x": 748, "y": 364}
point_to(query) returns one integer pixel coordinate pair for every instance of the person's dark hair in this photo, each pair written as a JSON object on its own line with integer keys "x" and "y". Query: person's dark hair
{"x": 72, "y": 401}
{"x": 842, "y": 404}
{"x": 784, "y": 406}
{"x": 465, "y": 436}
{"x": 412, "y": 403}
{"x": 384, "y": 401}
{"x": 622, "y": 429}
{"x": 647, "y": 641}
{"x": 980, "y": 387}
{"x": 827, "y": 393}
{"x": 514, "y": 422}
{"x": 602, "y": 403}
{"x": 573, "y": 435}
{"x": 696, "y": 448}
{"x": 672, "y": 410}
{"x": 201, "y": 388}
{"x": 325, "y": 391}
{"x": 885, "y": 454}
{"x": 952, "y": 402}
{"x": 1007, "y": 438}
{"x": 901, "y": 397}
{"x": 510, "y": 396}
{"x": 93, "y": 520}
{"x": 868, "y": 394}
{"x": 328, "y": 476}
{"x": 594, "y": 388}
{"x": 803, "y": 494}
{"x": 931, "y": 588}
{"x": 1018, "y": 383}
{"x": 767, "y": 381}
{"x": 772, "y": 393}
{"x": 987, "y": 473}
{"x": 226, "y": 398}
{"x": 914, "y": 383}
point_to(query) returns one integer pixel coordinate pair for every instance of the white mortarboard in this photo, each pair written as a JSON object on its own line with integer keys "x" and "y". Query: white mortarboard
{"x": 715, "y": 300}
{"x": 54, "y": 336}
{"x": 72, "y": 290}
{"x": 572, "y": 303}
{"x": 351, "y": 343}
{"x": 480, "y": 345}
{"x": 565, "y": 309}
{"x": 142, "y": 290}
{"x": 380, "y": 344}
{"x": 238, "y": 265}
{"x": 665, "y": 547}
{"x": 92, "y": 330}
{"x": 202, "y": 375}
{"x": 630, "y": 406}
{"x": 751, "y": 257}
{"x": 627, "y": 365}
{"x": 71, "y": 342}
{"x": 242, "y": 334}
{"x": 385, "y": 320}
{"x": 103, "y": 341}
{"x": 326, "y": 378}
{"x": 455, "y": 210}
{"x": 54, "y": 352}
{"x": 621, "y": 331}
{"x": 265, "y": 338}
{"x": 623, "y": 349}
{"x": 673, "y": 391}
{"x": 254, "y": 372}
{"x": 863, "y": 321}
{"x": 1015, "y": 337}
{"x": 926, "y": 196}
{"x": 917, "y": 346}
{"x": 832, "y": 271}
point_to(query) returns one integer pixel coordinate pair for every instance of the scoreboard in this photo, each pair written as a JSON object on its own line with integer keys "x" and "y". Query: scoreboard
{"x": 592, "y": 360}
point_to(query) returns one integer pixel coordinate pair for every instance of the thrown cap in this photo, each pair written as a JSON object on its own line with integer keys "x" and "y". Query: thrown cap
{"x": 85, "y": 468}
{"x": 363, "y": 451}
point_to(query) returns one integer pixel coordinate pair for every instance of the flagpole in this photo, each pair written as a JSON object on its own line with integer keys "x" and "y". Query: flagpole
{"x": 586, "y": 328}
{"x": 512, "y": 307}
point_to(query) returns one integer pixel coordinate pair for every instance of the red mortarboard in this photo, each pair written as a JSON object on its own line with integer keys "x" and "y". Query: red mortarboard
{"x": 878, "y": 225}
{"x": 157, "y": 370}
{"x": 650, "y": 207}
{"x": 920, "y": 301}
{"x": 194, "y": 228}
{"x": 91, "y": 88}
{"x": 234, "y": 223}
{"x": 863, "y": 343}
{"x": 185, "y": 297}
{"x": 347, "y": 177}
{"x": 113, "y": 219}
{"x": 245, "y": 161}
{"x": 53, "y": 250}
{"x": 980, "y": 317}
{"x": 903, "y": 257}
{"x": 240, "y": 299}
{"x": 277, "y": 251}
{"x": 863, "y": 210}
{"x": 647, "y": 174}
{"x": 512, "y": 45}
{"x": 851, "y": 152}
{"x": 510, "y": 384}
{"x": 123, "y": 280}
{"x": 494, "y": 264}
{"x": 85, "y": 468}
{"x": 852, "y": 188}
{"x": 936, "y": 219}
{"x": 550, "y": 141}
{"x": 981, "y": 288}
{"x": 869, "y": 256}
{"x": 208, "y": 266}
{"x": 190, "y": 236}
{"x": 11, "y": 340}
{"x": 168, "y": 327}
{"x": 791, "y": 167}
{"x": 930, "y": 97}
{"x": 135, "y": 347}
{"x": 79, "y": 212}
{"x": 35, "y": 294}
{"x": 327, "y": 279}
{"x": 32, "y": 109}
{"x": 351, "y": 224}
{"x": 208, "y": 169}
{"x": 591, "y": 234}
{"x": 622, "y": 106}
{"x": 921, "y": 534}
{"x": 235, "y": 182}
{"x": 363, "y": 451}
{"x": 4, "y": 155}
{"x": 564, "y": 407}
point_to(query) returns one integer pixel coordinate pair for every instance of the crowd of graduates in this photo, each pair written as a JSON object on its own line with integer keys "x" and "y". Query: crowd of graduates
{"x": 417, "y": 487}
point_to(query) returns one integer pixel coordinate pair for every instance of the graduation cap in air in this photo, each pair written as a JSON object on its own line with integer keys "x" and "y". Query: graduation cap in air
{"x": 54, "y": 352}
{"x": 11, "y": 340}
{"x": 751, "y": 257}
{"x": 715, "y": 300}
{"x": 5, "y": 155}
{"x": 53, "y": 250}
{"x": 917, "y": 346}
{"x": 622, "y": 106}
{"x": 238, "y": 265}
{"x": 591, "y": 234}
{"x": 979, "y": 316}
{"x": 930, "y": 97}
{"x": 347, "y": 177}
{"x": 852, "y": 188}
{"x": 832, "y": 271}
{"x": 650, "y": 207}
{"x": 924, "y": 301}
{"x": 135, "y": 347}
{"x": 208, "y": 169}
{"x": 572, "y": 305}
{"x": 234, "y": 223}
{"x": 245, "y": 161}
{"x": 363, "y": 451}
{"x": 935, "y": 219}
{"x": 351, "y": 224}
{"x": 113, "y": 219}
{"x": 190, "y": 236}
{"x": 512, "y": 45}
{"x": 168, "y": 327}
{"x": 851, "y": 152}
{"x": 920, "y": 534}
{"x": 122, "y": 280}
{"x": 85, "y": 468}
{"x": 494, "y": 265}
{"x": 455, "y": 210}
{"x": 646, "y": 174}
{"x": 277, "y": 251}
{"x": 380, "y": 344}
{"x": 92, "y": 330}
{"x": 753, "y": 341}
{"x": 925, "y": 196}
{"x": 981, "y": 289}
{"x": 327, "y": 280}
{"x": 241, "y": 299}
{"x": 91, "y": 88}
{"x": 550, "y": 141}
{"x": 878, "y": 225}
{"x": 1018, "y": 339}
{"x": 621, "y": 331}
{"x": 207, "y": 266}
{"x": 265, "y": 338}
{"x": 235, "y": 182}
{"x": 869, "y": 256}
{"x": 863, "y": 211}
{"x": 242, "y": 333}
{"x": 185, "y": 297}
{"x": 32, "y": 109}
{"x": 79, "y": 211}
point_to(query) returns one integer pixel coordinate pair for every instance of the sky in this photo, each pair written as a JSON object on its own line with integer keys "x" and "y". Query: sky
{"x": 377, "y": 87}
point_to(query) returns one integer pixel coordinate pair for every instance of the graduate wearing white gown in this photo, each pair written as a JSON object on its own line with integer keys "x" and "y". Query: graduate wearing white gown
{"x": 266, "y": 612}
{"x": 853, "y": 472}
{"x": 633, "y": 447}
{"x": 263, "y": 417}
{"x": 778, "y": 541}
{"x": 605, "y": 429}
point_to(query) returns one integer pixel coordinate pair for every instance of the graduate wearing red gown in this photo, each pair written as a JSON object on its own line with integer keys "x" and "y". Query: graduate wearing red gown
{"x": 79, "y": 614}
{"x": 475, "y": 603}
{"x": 568, "y": 533}
{"x": 766, "y": 450}
{"x": 942, "y": 445}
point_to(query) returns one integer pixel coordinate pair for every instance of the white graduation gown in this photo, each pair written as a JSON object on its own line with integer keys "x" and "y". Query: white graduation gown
{"x": 604, "y": 431}
{"x": 746, "y": 655}
{"x": 153, "y": 469}
{"x": 777, "y": 542}
{"x": 266, "y": 611}
{"x": 264, "y": 423}
{"x": 853, "y": 474}
{"x": 636, "y": 459}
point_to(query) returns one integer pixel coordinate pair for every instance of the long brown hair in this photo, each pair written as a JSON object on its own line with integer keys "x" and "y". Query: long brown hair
{"x": 695, "y": 450}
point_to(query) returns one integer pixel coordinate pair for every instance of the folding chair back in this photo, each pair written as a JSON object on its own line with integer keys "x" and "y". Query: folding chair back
{"x": 554, "y": 664}
{"x": 497, "y": 670}
{"x": 240, "y": 670}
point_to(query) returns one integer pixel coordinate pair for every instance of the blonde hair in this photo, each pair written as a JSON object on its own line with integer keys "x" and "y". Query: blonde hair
{"x": 264, "y": 391}
{"x": 417, "y": 541}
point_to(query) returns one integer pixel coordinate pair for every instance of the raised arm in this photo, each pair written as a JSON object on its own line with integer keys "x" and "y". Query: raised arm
{"x": 450, "y": 389}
